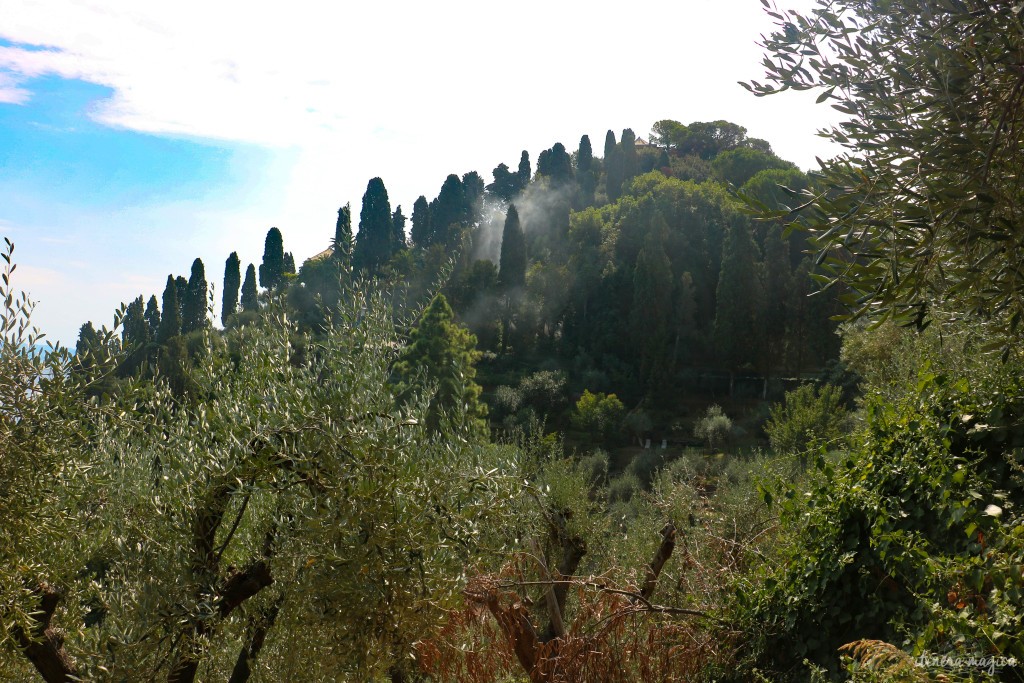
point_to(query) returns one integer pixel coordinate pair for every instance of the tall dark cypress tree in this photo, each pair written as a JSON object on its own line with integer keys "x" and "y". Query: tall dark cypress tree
{"x": 272, "y": 268}
{"x": 232, "y": 281}
{"x": 524, "y": 173}
{"x": 737, "y": 337}
{"x": 585, "y": 172}
{"x": 612, "y": 167}
{"x": 630, "y": 163}
{"x": 512, "y": 262}
{"x": 472, "y": 192}
{"x": 652, "y": 308}
{"x": 421, "y": 231}
{"x": 449, "y": 209}
{"x": 343, "y": 243}
{"x": 181, "y": 284}
{"x": 134, "y": 330}
{"x": 376, "y": 233}
{"x": 250, "y": 295}
{"x": 556, "y": 164}
{"x": 398, "y": 226}
{"x": 152, "y": 317}
{"x": 194, "y": 311}
{"x": 289, "y": 264}
{"x": 170, "y": 321}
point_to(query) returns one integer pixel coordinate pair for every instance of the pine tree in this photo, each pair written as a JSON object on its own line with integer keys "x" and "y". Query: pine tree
{"x": 612, "y": 167}
{"x": 193, "y": 315}
{"x": 152, "y": 317}
{"x": 343, "y": 242}
{"x": 376, "y": 233}
{"x": 398, "y": 226}
{"x": 441, "y": 353}
{"x": 585, "y": 172}
{"x": 773, "y": 316}
{"x": 250, "y": 295}
{"x": 232, "y": 281}
{"x": 421, "y": 229}
{"x": 524, "y": 174}
{"x": 272, "y": 268}
{"x": 630, "y": 163}
{"x": 170, "y": 321}
{"x": 512, "y": 263}
{"x": 505, "y": 184}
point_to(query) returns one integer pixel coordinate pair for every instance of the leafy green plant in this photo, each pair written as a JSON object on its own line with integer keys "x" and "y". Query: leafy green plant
{"x": 598, "y": 414}
{"x": 715, "y": 428}
{"x": 807, "y": 415}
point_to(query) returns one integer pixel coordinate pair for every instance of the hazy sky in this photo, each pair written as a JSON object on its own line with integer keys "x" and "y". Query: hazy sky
{"x": 136, "y": 135}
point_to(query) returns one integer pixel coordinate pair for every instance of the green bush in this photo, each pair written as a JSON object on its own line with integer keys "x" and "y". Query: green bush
{"x": 599, "y": 415}
{"x": 914, "y": 538}
{"x": 807, "y": 415}
{"x": 715, "y": 428}
{"x": 622, "y": 487}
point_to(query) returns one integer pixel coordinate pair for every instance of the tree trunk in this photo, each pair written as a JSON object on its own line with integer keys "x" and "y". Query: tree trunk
{"x": 261, "y": 626}
{"x": 44, "y": 645}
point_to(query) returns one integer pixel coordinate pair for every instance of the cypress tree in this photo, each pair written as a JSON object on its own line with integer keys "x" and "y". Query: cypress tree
{"x": 152, "y": 317}
{"x": 232, "y": 281}
{"x": 134, "y": 330}
{"x": 181, "y": 284}
{"x": 250, "y": 300}
{"x": 630, "y": 163}
{"x": 473, "y": 192}
{"x": 376, "y": 233}
{"x": 421, "y": 231}
{"x": 652, "y": 307}
{"x": 194, "y": 312}
{"x": 736, "y": 331}
{"x": 289, "y": 264}
{"x": 525, "y": 173}
{"x": 272, "y": 268}
{"x": 170, "y": 321}
{"x": 343, "y": 235}
{"x": 398, "y": 226}
{"x": 585, "y": 171}
{"x": 447, "y": 210}
{"x": 512, "y": 262}
{"x": 612, "y": 167}
{"x": 556, "y": 164}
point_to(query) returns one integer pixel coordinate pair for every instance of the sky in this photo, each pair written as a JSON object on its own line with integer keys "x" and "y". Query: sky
{"x": 136, "y": 136}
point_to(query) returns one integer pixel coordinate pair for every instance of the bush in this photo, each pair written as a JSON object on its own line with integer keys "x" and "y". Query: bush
{"x": 595, "y": 467}
{"x": 545, "y": 392}
{"x": 505, "y": 401}
{"x": 808, "y": 415}
{"x": 646, "y": 465}
{"x": 914, "y": 538}
{"x": 598, "y": 414}
{"x": 714, "y": 428}
{"x": 622, "y": 487}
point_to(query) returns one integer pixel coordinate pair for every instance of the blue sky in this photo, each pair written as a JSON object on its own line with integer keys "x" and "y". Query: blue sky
{"x": 137, "y": 136}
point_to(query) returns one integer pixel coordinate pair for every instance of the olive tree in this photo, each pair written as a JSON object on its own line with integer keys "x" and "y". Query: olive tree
{"x": 921, "y": 215}
{"x": 286, "y": 519}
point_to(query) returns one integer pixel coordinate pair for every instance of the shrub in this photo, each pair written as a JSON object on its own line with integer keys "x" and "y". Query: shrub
{"x": 622, "y": 487}
{"x": 544, "y": 391}
{"x": 806, "y": 416}
{"x": 598, "y": 414}
{"x": 714, "y": 428}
